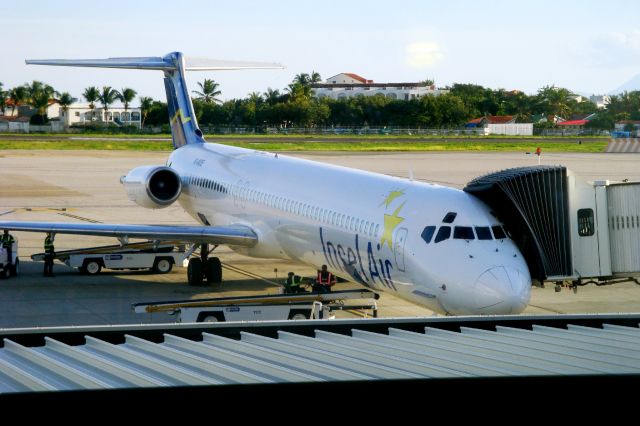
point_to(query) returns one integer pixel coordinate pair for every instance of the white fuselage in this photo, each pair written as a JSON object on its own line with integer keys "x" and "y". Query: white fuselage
{"x": 367, "y": 227}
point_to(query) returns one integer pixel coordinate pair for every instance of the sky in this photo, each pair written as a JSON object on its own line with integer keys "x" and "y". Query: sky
{"x": 590, "y": 47}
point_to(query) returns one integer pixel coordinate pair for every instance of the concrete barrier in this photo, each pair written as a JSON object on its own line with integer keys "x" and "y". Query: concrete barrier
{"x": 623, "y": 145}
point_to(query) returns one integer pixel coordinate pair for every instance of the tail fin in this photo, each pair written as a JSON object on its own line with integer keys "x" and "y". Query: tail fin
{"x": 184, "y": 127}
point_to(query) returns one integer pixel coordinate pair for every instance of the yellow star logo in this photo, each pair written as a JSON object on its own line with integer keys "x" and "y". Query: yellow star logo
{"x": 392, "y": 196}
{"x": 391, "y": 221}
{"x": 182, "y": 117}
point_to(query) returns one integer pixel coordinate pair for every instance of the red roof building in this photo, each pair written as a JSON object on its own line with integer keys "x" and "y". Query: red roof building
{"x": 491, "y": 119}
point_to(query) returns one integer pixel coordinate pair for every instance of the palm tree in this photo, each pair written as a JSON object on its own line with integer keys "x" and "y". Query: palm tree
{"x": 39, "y": 100}
{"x": 65, "y": 101}
{"x": 126, "y": 96}
{"x": 39, "y": 96}
{"x": 3, "y": 101}
{"x": 4, "y": 97}
{"x": 255, "y": 98}
{"x": 303, "y": 79}
{"x": 208, "y": 91}
{"x": 315, "y": 77}
{"x": 17, "y": 95}
{"x": 107, "y": 97}
{"x": 272, "y": 96}
{"x": 145, "y": 105}
{"x": 557, "y": 100}
{"x": 91, "y": 95}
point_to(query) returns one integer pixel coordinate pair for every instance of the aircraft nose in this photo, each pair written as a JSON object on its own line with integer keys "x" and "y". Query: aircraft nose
{"x": 502, "y": 290}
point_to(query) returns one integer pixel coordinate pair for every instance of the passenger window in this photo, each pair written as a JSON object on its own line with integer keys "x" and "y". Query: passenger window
{"x": 449, "y": 217}
{"x": 498, "y": 232}
{"x": 443, "y": 233}
{"x": 427, "y": 233}
{"x": 463, "y": 233}
{"x": 483, "y": 233}
{"x": 585, "y": 222}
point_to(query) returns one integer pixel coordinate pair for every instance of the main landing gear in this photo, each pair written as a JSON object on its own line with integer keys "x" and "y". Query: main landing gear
{"x": 204, "y": 267}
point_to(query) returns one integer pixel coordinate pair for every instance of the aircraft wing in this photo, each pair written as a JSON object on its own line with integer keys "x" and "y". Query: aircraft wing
{"x": 229, "y": 235}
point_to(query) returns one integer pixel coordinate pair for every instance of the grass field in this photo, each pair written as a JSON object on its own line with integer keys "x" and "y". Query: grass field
{"x": 306, "y": 143}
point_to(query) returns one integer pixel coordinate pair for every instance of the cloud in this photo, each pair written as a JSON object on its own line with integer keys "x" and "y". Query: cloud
{"x": 615, "y": 48}
{"x": 424, "y": 54}
{"x": 629, "y": 40}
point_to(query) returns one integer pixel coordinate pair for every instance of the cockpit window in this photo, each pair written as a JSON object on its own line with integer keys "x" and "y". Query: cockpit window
{"x": 463, "y": 233}
{"x": 498, "y": 232}
{"x": 449, "y": 217}
{"x": 427, "y": 233}
{"x": 483, "y": 233}
{"x": 443, "y": 233}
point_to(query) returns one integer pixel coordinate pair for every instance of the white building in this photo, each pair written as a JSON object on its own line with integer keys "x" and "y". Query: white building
{"x": 601, "y": 101}
{"x": 81, "y": 114}
{"x": 347, "y": 85}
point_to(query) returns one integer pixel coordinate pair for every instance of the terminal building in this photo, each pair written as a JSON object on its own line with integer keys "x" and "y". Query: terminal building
{"x": 346, "y": 85}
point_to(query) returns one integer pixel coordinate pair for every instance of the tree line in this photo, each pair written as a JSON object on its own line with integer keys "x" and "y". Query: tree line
{"x": 296, "y": 106}
{"x": 39, "y": 96}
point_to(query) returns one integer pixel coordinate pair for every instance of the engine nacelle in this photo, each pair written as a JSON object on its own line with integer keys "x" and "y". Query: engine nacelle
{"x": 153, "y": 187}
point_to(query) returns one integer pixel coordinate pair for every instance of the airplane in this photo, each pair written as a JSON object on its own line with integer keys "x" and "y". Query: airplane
{"x": 435, "y": 246}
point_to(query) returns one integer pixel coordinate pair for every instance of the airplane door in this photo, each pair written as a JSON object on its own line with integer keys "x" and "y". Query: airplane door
{"x": 398, "y": 247}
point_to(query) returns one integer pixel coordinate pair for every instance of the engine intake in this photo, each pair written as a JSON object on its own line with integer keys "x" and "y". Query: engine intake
{"x": 153, "y": 187}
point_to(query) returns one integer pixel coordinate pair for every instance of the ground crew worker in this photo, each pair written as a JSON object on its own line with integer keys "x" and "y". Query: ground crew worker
{"x": 292, "y": 285}
{"x": 324, "y": 281}
{"x": 7, "y": 241}
{"x": 49, "y": 251}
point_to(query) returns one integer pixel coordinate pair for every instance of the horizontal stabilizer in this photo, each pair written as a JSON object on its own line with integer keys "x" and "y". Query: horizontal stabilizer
{"x": 151, "y": 63}
{"x": 204, "y": 64}
{"x": 157, "y": 63}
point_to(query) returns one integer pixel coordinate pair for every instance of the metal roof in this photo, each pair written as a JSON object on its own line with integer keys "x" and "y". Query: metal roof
{"x": 325, "y": 355}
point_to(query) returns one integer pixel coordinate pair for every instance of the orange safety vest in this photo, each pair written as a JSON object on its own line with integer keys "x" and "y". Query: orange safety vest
{"x": 327, "y": 281}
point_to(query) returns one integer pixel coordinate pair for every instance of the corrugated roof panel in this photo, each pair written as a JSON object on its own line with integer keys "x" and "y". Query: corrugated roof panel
{"x": 14, "y": 379}
{"x": 396, "y": 360}
{"x": 441, "y": 364}
{"x": 374, "y": 370}
{"x": 632, "y": 349}
{"x": 240, "y": 361}
{"x": 490, "y": 344}
{"x": 327, "y": 356}
{"x": 324, "y": 370}
{"x": 57, "y": 374}
{"x": 600, "y": 333}
{"x": 629, "y": 331}
{"x": 598, "y": 352}
{"x": 166, "y": 372}
{"x": 114, "y": 373}
{"x": 585, "y": 357}
{"x": 553, "y": 352}
{"x": 458, "y": 350}
{"x": 219, "y": 372}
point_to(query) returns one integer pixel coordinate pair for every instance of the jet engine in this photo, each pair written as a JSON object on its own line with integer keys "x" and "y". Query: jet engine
{"x": 153, "y": 187}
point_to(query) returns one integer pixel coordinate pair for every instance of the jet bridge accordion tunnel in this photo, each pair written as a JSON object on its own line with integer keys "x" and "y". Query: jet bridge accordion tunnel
{"x": 533, "y": 204}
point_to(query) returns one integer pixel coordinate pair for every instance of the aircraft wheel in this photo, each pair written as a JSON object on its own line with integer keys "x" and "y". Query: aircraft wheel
{"x": 194, "y": 271}
{"x": 162, "y": 266}
{"x": 214, "y": 270}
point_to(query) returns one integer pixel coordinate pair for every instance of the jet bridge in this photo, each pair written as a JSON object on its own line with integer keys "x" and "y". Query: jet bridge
{"x": 533, "y": 203}
{"x": 565, "y": 227}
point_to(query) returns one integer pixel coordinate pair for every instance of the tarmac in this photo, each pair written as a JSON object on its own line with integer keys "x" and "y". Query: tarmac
{"x": 71, "y": 186}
